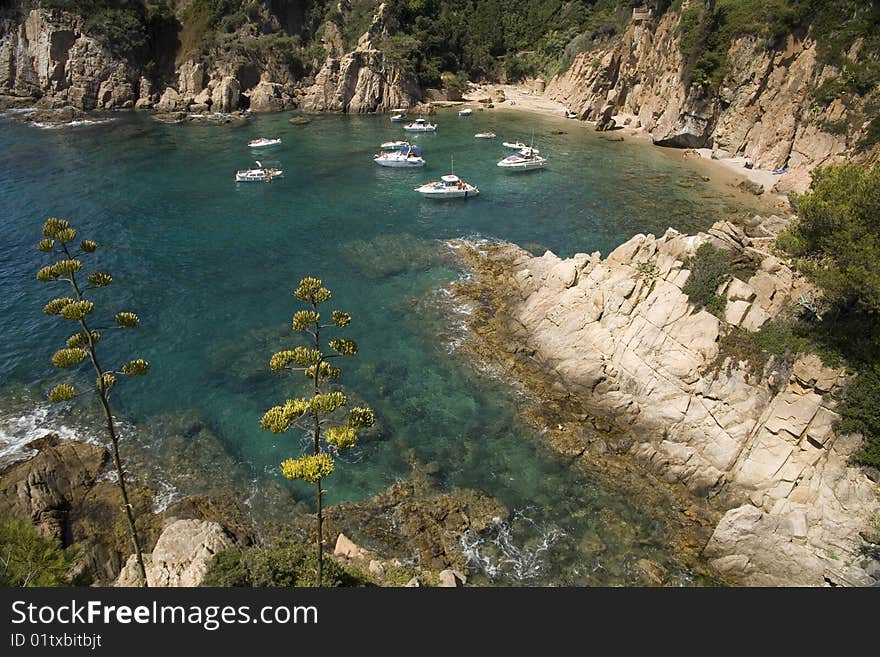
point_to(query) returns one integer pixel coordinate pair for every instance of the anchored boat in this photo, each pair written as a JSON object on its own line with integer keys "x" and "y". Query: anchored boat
{"x": 420, "y": 125}
{"x": 526, "y": 160}
{"x": 262, "y": 142}
{"x": 450, "y": 186}
{"x": 398, "y": 115}
{"x": 408, "y": 157}
{"x": 393, "y": 145}
{"x": 467, "y": 111}
{"x": 485, "y": 135}
{"x": 260, "y": 174}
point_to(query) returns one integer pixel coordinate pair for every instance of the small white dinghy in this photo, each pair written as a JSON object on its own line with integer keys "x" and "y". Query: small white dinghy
{"x": 485, "y": 135}
{"x": 526, "y": 160}
{"x": 406, "y": 158}
{"x": 420, "y": 125}
{"x": 393, "y": 145}
{"x": 262, "y": 142}
{"x": 516, "y": 145}
{"x": 398, "y": 115}
{"x": 467, "y": 111}
{"x": 261, "y": 174}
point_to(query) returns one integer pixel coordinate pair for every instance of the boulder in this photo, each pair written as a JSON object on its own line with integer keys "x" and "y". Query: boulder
{"x": 181, "y": 556}
{"x": 451, "y": 578}
{"x": 347, "y": 548}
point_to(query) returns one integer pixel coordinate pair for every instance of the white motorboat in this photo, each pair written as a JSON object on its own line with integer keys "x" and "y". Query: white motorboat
{"x": 517, "y": 145}
{"x": 261, "y": 174}
{"x": 262, "y": 142}
{"x": 570, "y": 115}
{"x": 393, "y": 145}
{"x": 420, "y": 125}
{"x": 408, "y": 157}
{"x": 467, "y": 111}
{"x": 526, "y": 160}
{"x": 398, "y": 115}
{"x": 485, "y": 135}
{"x": 450, "y": 186}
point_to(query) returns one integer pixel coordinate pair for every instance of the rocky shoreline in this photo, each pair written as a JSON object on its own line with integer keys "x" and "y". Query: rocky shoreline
{"x": 64, "y": 488}
{"x": 766, "y": 494}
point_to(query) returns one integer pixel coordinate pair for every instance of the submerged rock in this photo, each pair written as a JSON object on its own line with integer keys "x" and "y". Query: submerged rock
{"x": 387, "y": 255}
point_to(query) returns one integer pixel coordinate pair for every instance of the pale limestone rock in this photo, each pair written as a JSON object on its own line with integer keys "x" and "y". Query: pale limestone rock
{"x": 451, "y": 578}
{"x": 181, "y": 556}
{"x": 345, "y": 547}
{"x": 376, "y": 568}
{"x": 639, "y": 353}
{"x": 226, "y": 95}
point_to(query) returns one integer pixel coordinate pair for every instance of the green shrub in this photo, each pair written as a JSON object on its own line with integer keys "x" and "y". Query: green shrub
{"x": 710, "y": 267}
{"x": 284, "y": 564}
{"x": 860, "y": 413}
{"x": 836, "y": 238}
{"x": 28, "y": 559}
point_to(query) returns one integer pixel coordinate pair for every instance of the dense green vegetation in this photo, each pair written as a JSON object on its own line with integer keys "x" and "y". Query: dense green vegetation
{"x": 835, "y": 242}
{"x": 709, "y": 28}
{"x": 710, "y": 267}
{"x": 497, "y": 38}
{"x": 28, "y": 559}
{"x": 282, "y": 565}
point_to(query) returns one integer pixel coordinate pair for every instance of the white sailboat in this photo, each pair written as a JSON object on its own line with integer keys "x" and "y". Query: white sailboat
{"x": 262, "y": 142}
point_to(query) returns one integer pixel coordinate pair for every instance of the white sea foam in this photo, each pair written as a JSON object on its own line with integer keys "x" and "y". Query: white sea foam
{"x": 496, "y": 553}
{"x": 18, "y": 429}
{"x": 68, "y": 124}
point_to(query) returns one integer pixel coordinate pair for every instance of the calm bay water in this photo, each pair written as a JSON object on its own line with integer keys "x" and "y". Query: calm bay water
{"x": 210, "y": 266}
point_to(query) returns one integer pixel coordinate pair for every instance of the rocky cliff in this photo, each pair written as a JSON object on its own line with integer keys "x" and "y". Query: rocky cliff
{"x": 764, "y": 109}
{"x": 618, "y": 337}
{"x": 50, "y": 56}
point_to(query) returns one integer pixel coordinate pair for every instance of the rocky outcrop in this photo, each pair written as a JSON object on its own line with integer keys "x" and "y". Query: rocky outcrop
{"x": 363, "y": 81}
{"x": 44, "y": 488}
{"x": 49, "y": 56}
{"x": 181, "y": 556}
{"x": 360, "y": 82}
{"x": 764, "y": 109}
{"x": 618, "y": 337}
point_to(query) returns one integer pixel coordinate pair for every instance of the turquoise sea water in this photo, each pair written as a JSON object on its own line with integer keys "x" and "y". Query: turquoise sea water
{"x": 210, "y": 266}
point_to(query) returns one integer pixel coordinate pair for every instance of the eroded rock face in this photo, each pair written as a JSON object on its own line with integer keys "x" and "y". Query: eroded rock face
{"x": 763, "y": 109}
{"x": 619, "y": 336}
{"x": 45, "y": 487}
{"x": 360, "y": 82}
{"x": 181, "y": 556}
{"x": 49, "y": 55}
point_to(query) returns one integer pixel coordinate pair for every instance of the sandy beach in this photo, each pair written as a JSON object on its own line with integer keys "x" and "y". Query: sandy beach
{"x": 729, "y": 171}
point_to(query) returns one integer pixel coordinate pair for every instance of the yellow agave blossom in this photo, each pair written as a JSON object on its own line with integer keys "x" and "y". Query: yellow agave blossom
{"x": 309, "y": 468}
